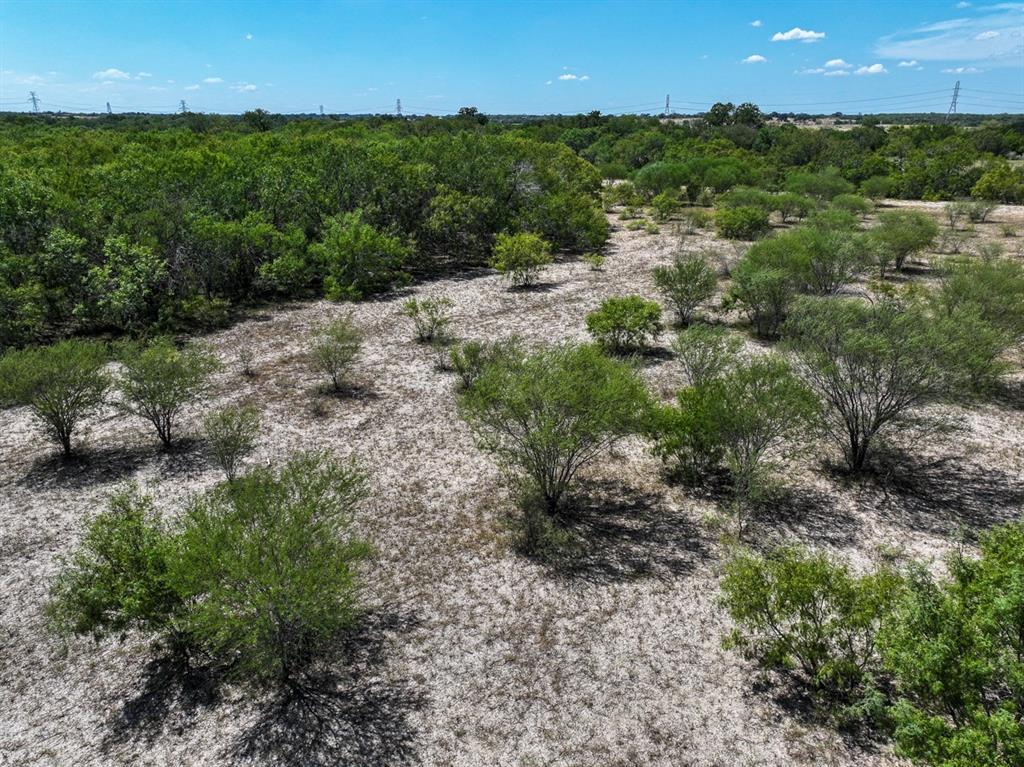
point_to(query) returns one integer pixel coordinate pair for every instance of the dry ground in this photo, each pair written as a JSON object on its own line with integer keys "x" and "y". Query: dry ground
{"x": 471, "y": 655}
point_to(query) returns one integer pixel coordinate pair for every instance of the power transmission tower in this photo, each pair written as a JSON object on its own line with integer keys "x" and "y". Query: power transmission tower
{"x": 183, "y": 107}
{"x": 952, "y": 104}
{"x": 109, "y": 110}
{"x": 667, "y": 110}
{"x": 321, "y": 110}
{"x": 34, "y": 99}
{"x": 398, "y": 108}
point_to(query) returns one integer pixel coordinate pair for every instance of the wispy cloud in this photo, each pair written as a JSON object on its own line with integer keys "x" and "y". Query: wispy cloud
{"x": 837, "y": 64}
{"x": 802, "y": 35}
{"x": 992, "y": 37}
{"x": 873, "y": 69}
{"x": 111, "y": 74}
{"x": 191, "y": 87}
{"x": 755, "y": 58}
{"x": 962, "y": 71}
{"x": 837, "y": 73}
{"x": 566, "y": 76}
{"x": 248, "y": 35}
{"x": 244, "y": 87}
{"x": 911, "y": 63}
{"x": 213, "y": 80}
{"x": 757, "y": 23}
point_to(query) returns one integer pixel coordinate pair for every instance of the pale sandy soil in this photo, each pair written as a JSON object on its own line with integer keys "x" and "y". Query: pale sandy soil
{"x": 472, "y": 655}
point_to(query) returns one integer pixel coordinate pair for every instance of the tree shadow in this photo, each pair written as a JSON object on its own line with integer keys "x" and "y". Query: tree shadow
{"x": 944, "y": 495}
{"x": 803, "y": 513}
{"x": 349, "y": 712}
{"x": 102, "y": 465}
{"x": 344, "y": 710}
{"x": 620, "y": 534}
{"x": 535, "y": 287}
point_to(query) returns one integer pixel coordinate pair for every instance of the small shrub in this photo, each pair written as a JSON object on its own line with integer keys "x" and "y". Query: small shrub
{"x": 791, "y": 205}
{"x": 520, "y": 257}
{"x": 159, "y": 381}
{"x": 665, "y": 206}
{"x": 706, "y": 352}
{"x": 694, "y": 218}
{"x": 854, "y": 204}
{"x": 744, "y": 223}
{"x": 61, "y": 385}
{"x": 334, "y": 348}
{"x": 625, "y": 323}
{"x": 955, "y": 212}
{"x": 595, "y": 260}
{"x": 978, "y": 211}
{"x": 802, "y": 613}
{"x": 763, "y": 293}
{"x": 651, "y": 228}
{"x": 430, "y": 317}
{"x": 1007, "y": 230}
{"x": 231, "y": 435}
{"x": 876, "y": 188}
{"x": 904, "y": 233}
{"x": 686, "y": 284}
{"x": 246, "y": 356}
{"x": 548, "y": 414}
{"x": 470, "y": 358}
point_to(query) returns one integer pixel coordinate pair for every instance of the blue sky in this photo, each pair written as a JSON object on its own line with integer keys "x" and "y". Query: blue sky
{"x": 511, "y": 57}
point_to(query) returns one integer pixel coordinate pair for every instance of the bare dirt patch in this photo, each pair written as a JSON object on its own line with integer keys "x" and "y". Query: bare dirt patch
{"x": 471, "y": 654}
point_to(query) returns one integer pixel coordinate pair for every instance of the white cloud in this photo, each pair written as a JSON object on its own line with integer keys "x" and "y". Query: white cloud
{"x": 191, "y": 87}
{"x": 111, "y": 74}
{"x": 754, "y": 58}
{"x": 803, "y": 35}
{"x": 911, "y": 63}
{"x": 570, "y": 76}
{"x": 213, "y": 80}
{"x": 992, "y": 35}
{"x": 837, "y": 73}
{"x": 548, "y": 82}
{"x": 757, "y": 23}
{"x": 963, "y": 4}
{"x": 585, "y": 77}
{"x": 837, "y": 64}
{"x": 874, "y": 69}
{"x": 567, "y": 77}
{"x": 814, "y": 71}
{"x": 248, "y": 35}
{"x": 244, "y": 87}
{"x": 962, "y": 71}
{"x": 140, "y": 75}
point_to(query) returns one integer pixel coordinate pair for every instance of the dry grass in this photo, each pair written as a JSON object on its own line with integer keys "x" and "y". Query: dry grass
{"x": 470, "y": 654}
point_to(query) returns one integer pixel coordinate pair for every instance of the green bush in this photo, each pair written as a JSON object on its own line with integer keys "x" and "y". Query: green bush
{"x": 902, "y": 234}
{"x": 231, "y": 435}
{"x": 994, "y": 288}
{"x": 745, "y": 223}
{"x": 595, "y": 260}
{"x": 955, "y": 649}
{"x": 335, "y": 347}
{"x": 853, "y": 203}
{"x": 807, "y": 615}
{"x": 547, "y": 415}
{"x": 665, "y": 205}
{"x": 429, "y": 316}
{"x": 747, "y": 197}
{"x": 876, "y": 188}
{"x": 358, "y": 260}
{"x": 821, "y": 186}
{"x": 695, "y": 218}
{"x": 159, "y": 381}
{"x": 117, "y": 580}
{"x": 763, "y": 293}
{"x": 520, "y": 257}
{"x": 873, "y": 365}
{"x": 257, "y": 577}
{"x": 706, "y": 352}
{"x": 1000, "y": 182}
{"x": 738, "y": 416}
{"x": 817, "y": 260}
{"x": 625, "y": 323}
{"x": 791, "y": 205}
{"x": 689, "y": 282}
{"x": 61, "y": 385}
{"x": 469, "y": 359}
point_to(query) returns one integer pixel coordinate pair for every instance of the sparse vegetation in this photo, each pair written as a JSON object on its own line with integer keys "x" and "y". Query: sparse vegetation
{"x": 521, "y": 257}
{"x": 430, "y": 317}
{"x": 625, "y": 324}
{"x": 334, "y": 348}
{"x": 687, "y": 284}
{"x": 705, "y": 352}
{"x": 231, "y": 435}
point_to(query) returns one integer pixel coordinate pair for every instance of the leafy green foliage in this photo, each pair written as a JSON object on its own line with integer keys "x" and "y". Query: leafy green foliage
{"x": 686, "y": 284}
{"x": 273, "y": 558}
{"x": 805, "y": 614}
{"x": 521, "y": 257}
{"x": 430, "y": 317}
{"x": 664, "y": 205}
{"x": 159, "y": 381}
{"x": 902, "y": 234}
{"x": 821, "y": 186}
{"x": 357, "y": 259}
{"x": 62, "y": 385}
{"x": 231, "y": 435}
{"x": 763, "y": 293}
{"x": 1000, "y": 182}
{"x": 470, "y": 359}
{"x": 852, "y": 203}
{"x": 705, "y": 352}
{"x": 742, "y": 223}
{"x": 547, "y": 415}
{"x": 954, "y": 647}
{"x": 625, "y": 323}
{"x": 117, "y": 580}
{"x": 334, "y": 348}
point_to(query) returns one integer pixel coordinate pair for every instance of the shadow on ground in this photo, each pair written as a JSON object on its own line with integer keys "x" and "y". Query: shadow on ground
{"x": 945, "y": 495}
{"x": 346, "y": 712}
{"x": 620, "y": 534}
{"x": 101, "y": 465}
{"x": 804, "y": 513}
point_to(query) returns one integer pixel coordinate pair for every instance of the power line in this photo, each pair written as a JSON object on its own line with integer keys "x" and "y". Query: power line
{"x": 952, "y": 104}
{"x": 35, "y": 101}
